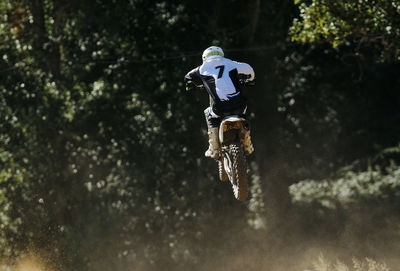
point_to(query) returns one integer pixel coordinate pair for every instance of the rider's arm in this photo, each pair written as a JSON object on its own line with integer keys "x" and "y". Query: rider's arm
{"x": 192, "y": 79}
{"x": 246, "y": 69}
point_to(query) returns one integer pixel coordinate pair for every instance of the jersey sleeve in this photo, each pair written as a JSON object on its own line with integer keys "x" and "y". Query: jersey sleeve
{"x": 246, "y": 69}
{"x": 193, "y": 77}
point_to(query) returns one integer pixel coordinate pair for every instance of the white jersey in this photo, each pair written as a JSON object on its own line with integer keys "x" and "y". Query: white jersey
{"x": 224, "y": 71}
{"x": 220, "y": 77}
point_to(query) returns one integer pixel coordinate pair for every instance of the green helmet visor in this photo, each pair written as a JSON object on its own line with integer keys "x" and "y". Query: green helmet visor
{"x": 213, "y": 53}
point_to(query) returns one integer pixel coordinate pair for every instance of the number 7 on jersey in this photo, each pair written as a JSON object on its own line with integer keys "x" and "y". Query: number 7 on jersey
{"x": 221, "y": 70}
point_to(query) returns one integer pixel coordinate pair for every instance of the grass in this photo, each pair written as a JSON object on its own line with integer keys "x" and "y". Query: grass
{"x": 322, "y": 264}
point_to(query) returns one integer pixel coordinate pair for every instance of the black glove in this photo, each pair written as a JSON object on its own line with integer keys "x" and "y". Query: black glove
{"x": 251, "y": 83}
{"x": 189, "y": 85}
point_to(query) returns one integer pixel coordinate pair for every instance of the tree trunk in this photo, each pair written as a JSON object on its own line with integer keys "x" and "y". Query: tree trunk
{"x": 255, "y": 15}
{"x": 42, "y": 43}
{"x": 214, "y": 18}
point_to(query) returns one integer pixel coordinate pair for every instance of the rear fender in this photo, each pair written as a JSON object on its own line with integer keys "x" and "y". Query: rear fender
{"x": 230, "y": 123}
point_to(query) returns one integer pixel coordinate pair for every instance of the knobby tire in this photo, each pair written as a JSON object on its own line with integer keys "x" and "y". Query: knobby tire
{"x": 239, "y": 177}
{"x": 223, "y": 177}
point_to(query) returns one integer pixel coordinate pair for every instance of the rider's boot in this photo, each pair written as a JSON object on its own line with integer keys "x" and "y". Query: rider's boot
{"x": 213, "y": 148}
{"x": 248, "y": 146}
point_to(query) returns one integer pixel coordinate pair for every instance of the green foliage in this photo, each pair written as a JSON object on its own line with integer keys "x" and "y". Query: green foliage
{"x": 352, "y": 187}
{"x": 100, "y": 144}
{"x": 365, "y": 23}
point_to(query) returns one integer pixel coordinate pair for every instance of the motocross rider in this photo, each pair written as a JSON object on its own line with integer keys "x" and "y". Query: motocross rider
{"x": 220, "y": 78}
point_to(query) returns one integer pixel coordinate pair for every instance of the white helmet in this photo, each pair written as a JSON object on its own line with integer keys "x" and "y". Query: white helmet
{"x": 212, "y": 51}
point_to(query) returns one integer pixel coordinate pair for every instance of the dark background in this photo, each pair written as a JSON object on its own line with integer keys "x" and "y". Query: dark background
{"x": 101, "y": 147}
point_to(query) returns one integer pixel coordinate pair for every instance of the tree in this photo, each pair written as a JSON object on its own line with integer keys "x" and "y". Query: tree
{"x": 368, "y": 26}
{"x": 99, "y": 135}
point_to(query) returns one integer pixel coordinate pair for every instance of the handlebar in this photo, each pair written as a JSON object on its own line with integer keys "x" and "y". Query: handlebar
{"x": 243, "y": 80}
{"x": 247, "y": 82}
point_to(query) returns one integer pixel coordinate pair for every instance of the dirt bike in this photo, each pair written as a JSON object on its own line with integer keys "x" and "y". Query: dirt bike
{"x": 232, "y": 163}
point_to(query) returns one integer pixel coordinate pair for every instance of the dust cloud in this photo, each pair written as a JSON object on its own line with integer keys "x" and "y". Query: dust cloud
{"x": 31, "y": 262}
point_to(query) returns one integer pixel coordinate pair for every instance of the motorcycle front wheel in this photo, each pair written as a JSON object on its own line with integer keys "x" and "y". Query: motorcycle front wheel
{"x": 235, "y": 168}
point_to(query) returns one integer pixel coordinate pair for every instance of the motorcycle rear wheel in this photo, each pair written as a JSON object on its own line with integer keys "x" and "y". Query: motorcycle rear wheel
{"x": 223, "y": 177}
{"x": 235, "y": 167}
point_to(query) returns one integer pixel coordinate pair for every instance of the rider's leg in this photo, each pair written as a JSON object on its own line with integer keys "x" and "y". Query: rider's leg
{"x": 246, "y": 141}
{"x": 247, "y": 144}
{"x": 212, "y": 125}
